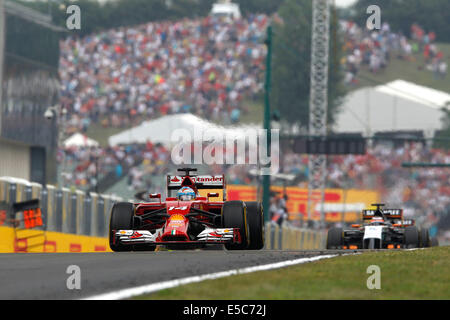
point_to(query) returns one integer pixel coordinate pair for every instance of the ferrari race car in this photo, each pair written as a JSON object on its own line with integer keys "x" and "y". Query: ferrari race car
{"x": 187, "y": 220}
{"x": 381, "y": 229}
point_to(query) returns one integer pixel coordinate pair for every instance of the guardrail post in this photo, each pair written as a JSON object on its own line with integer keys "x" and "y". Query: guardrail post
{"x": 3, "y": 190}
{"x": 19, "y": 192}
{"x": 50, "y": 209}
{"x": 94, "y": 212}
{"x": 280, "y": 238}
{"x": 44, "y": 207}
{"x": 106, "y": 213}
{"x": 79, "y": 211}
{"x": 302, "y": 240}
{"x": 100, "y": 216}
{"x": 12, "y": 190}
{"x": 59, "y": 212}
{"x": 65, "y": 210}
{"x": 72, "y": 214}
{"x": 267, "y": 236}
{"x": 86, "y": 221}
{"x": 28, "y": 192}
{"x": 276, "y": 237}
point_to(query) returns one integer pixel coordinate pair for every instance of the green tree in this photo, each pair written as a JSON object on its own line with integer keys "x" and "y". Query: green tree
{"x": 259, "y": 6}
{"x": 292, "y": 65}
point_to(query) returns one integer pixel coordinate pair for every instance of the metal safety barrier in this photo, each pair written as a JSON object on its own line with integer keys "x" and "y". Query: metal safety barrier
{"x": 63, "y": 210}
{"x": 76, "y": 212}
{"x": 291, "y": 238}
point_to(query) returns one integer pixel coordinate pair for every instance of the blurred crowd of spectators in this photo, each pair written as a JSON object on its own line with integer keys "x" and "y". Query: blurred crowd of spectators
{"x": 121, "y": 77}
{"x": 374, "y": 49}
{"x": 423, "y": 192}
{"x": 84, "y": 168}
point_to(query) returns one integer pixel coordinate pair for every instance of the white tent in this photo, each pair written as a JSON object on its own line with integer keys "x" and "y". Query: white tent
{"x": 161, "y": 130}
{"x": 396, "y": 106}
{"x": 79, "y": 140}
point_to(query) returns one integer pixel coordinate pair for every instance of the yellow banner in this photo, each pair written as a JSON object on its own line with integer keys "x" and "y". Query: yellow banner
{"x": 12, "y": 240}
{"x": 337, "y": 201}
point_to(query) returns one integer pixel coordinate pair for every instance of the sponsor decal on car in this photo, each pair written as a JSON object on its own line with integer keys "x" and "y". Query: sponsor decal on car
{"x": 136, "y": 235}
{"x": 177, "y": 217}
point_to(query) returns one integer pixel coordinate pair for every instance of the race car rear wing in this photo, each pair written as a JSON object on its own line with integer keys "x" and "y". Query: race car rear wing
{"x": 390, "y": 214}
{"x": 199, "y": 182}
{"x": 406, "y": 223}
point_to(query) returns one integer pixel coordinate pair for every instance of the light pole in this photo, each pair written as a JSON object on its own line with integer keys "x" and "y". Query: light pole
{"x": 58, "y": 114}
{"x": 267, "y": 124}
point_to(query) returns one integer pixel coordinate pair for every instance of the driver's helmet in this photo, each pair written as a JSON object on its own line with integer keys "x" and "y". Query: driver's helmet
{"x": 186, "y": 194}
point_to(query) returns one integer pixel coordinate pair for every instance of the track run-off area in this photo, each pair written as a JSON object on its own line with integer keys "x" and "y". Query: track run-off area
{"x": 125, "y": 275}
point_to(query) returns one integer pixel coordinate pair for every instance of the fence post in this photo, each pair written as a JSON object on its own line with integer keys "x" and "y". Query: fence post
{"x": 28, "y": 192}
{"x": 87, "y": 213}
{"x": 79, "y": 212}
{"x": 3, "y": 189}
{"x": 100, "y": 217}
{"x": 44, "y": 207}
{"x": 19, "y": 192}
{"x": 94, "y": 211}
{"x": 60, "y": 211}
{"x": 276, "y": 237}
{"x": 267, "y": 236}
{"x": 12, "y": 190}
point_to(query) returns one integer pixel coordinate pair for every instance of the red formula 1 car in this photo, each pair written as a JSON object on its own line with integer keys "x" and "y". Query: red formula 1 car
{"x": 187, "y": 222}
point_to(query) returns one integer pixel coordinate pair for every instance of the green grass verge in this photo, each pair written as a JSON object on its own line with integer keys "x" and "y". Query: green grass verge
{"x": 102, "y": 134}
{"x": 420, "y": 274}
{"x": 412, "y": 71}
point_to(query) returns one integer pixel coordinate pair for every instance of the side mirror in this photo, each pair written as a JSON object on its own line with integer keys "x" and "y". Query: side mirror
{"x": 155, "y": 196}
{"x": 213, "y": 195}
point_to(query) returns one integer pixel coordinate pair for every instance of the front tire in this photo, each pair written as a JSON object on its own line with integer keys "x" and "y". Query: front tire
{"x": 234, "y": 215}
{"x": 256, "y": 228}
{"x": 121, "y": 219}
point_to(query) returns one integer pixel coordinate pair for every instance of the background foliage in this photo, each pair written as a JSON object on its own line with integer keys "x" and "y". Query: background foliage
{"x": 292, "y": 64}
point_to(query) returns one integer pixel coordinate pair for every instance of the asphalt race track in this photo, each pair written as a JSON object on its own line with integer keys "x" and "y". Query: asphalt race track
{"x": 43, "y": 276}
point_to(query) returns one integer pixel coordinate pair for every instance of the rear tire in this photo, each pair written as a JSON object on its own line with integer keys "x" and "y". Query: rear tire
{"x": 121, "y": 219}
{"x": 425, "y": 241}
{"x": 335, "y": 239}
{"x": 234, "y": 215}
{"x": 411, "y": 237}
{"x": 256, "y": 228}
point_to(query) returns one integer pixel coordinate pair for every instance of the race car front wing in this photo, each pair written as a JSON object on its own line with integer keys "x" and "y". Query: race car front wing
{"x": 208, "y": 236}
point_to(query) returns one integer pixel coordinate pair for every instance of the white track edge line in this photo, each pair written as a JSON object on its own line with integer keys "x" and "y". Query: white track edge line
{"x": 154, "y": 287}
